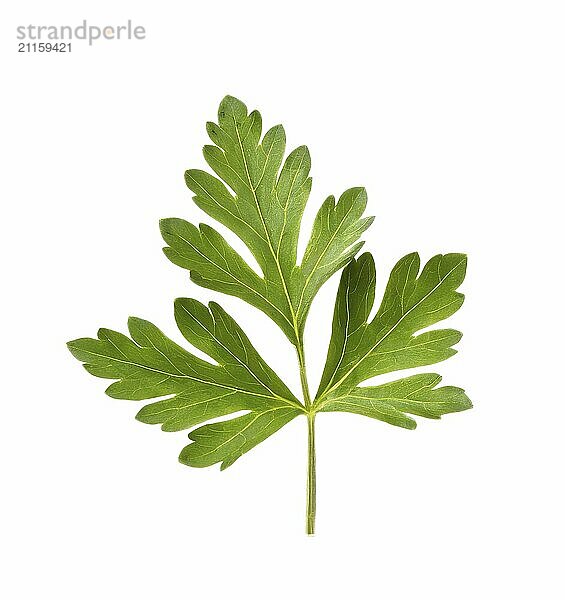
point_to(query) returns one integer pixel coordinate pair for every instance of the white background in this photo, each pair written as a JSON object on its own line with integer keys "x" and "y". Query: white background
{"x": 452, "y": 115}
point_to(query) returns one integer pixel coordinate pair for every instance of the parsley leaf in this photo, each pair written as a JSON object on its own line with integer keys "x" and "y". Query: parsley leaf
{"x": 390, "y": 402}
{"x": 150, "y": 365}
{"x": 260, "y": 196}
{"x": 360, "y": 350}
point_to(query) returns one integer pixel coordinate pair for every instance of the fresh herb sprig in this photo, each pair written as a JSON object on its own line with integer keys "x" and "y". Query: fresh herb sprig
{"x": 260, "y": 196}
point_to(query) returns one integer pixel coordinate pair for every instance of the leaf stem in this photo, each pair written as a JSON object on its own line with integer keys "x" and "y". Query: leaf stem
{"x": 311, "y": 485}
{"x": 311, "y": 415}
{"x": 303, "y": 376}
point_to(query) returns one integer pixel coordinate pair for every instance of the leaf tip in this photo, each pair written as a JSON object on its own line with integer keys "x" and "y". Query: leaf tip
{"x": 185, "y": 457}
{"x": 360, "y": 192}
{"x": 114, "y": 391}
{"x": 231, "y": 106}
{"x": 74, "y": 348}
{"x": 366, "y": 259}
{"x": 134, "y": 322}
{"x": 354, "y": 197}
{"x": 212, "y": 131}
{"x": 195, "y": 277}
{"x": 141, "y": 416}
{"x": 216, "y": 309}
{"x": 300, "y": 152}
{"x": 166, "y": 225}
{"x": 206, "y": 229}
{"x": 228, "y": 462}
{"x": 187, "y": 305}
{"x": 180, "y": 303}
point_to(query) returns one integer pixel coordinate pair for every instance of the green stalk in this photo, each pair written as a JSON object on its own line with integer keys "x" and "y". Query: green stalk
{"x": 303, "y": 376}
{"x": 311, "y": 485}
{"x": 311, "y": 480}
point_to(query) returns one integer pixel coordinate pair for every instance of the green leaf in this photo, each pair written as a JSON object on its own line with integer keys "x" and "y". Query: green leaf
{"x": 360, "y": 349}
{"x": 260, "y": 196}
{"x": 391, "y": 401}
{"x": 150, "y": 365}
{"x": 228, "y": 440}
